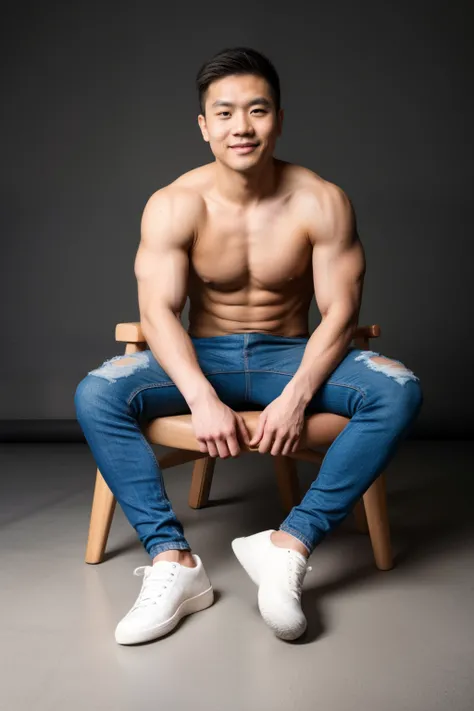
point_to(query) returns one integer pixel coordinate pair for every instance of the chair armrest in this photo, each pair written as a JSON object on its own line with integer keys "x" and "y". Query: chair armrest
{"x": 132, "y": 332}
{"x": 367, "y": 331}
{"x": 129, "y": 332}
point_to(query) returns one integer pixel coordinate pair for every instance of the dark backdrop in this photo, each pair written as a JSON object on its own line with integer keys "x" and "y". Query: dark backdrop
{"x": 100, "y": 110}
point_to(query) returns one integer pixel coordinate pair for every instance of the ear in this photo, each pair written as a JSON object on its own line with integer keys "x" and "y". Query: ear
{"x": 202, "y": 126}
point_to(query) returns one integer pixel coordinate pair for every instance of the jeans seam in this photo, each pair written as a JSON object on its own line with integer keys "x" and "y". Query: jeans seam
{"x": 246, "y": 368}
{"x": 152, "y": 454}
{"x": 352, "y": 387}
{"x": 170, "y": 383}
{"x": 167, "y": 384}
{"x": 162, "y": 547}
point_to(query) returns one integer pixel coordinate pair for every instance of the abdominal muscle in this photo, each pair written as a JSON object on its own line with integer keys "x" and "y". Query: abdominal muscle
{"x": 249, "y": 310}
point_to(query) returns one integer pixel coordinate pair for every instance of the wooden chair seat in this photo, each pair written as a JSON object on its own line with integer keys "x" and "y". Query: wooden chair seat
{"x": 320, "y": 431}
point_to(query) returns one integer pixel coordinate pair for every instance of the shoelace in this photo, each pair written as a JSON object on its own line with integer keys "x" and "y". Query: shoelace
{"x": 297, "y": 569}
{"x": 154, "y": 581}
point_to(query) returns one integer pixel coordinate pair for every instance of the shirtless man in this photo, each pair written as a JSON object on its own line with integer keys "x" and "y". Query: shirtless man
{"x": 250, "y": 239}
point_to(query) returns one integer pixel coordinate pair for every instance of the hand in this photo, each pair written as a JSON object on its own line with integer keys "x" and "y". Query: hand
{"x": 218, "y": 428}
{"x": 280, "y": 426}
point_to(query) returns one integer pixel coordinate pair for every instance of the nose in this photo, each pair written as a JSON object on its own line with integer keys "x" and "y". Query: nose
{"x": 242, "y": 125}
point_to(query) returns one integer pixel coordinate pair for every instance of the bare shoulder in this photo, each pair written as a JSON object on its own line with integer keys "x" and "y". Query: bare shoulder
{"x": 174, "y": 212}
{"x": 324, "y": 206}
{"x": 195, "y": 179}
{"x": 316, "y": 191}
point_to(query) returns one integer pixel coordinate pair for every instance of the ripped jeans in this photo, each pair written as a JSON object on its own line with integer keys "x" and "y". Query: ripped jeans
{"x": 382, "y": 398}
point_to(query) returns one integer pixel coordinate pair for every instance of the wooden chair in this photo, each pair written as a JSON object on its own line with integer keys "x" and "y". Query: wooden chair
{"x": 320, "y": 431}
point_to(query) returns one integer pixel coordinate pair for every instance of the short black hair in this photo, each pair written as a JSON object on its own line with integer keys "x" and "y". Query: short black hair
{"x": 238, "y": 60}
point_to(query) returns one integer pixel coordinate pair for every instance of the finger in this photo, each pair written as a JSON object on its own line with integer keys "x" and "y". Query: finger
{"x": 233, "y": 445}
{"x": 203, "y": 447}
{"x": 211, "y": 447}
{"x": 288, "y": 446}
{"x": 243, "y": 431}
{"x": 267, "y": 440}
{"x": 296, "y": 445}
{"x": 222, "y": 448}
{"x": 258, "y": 432}
{"x": 277, "y": 446}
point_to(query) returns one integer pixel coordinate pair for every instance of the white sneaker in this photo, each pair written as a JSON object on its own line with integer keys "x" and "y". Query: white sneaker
{"x": 279, "y": 574}
{"x": 169, "y": 592}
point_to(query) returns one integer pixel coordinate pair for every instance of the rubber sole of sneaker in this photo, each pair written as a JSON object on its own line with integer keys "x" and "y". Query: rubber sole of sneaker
{"x": 286, "y": 634}
{"x": 187, "y": 607}
{"x": 243, "y": 553}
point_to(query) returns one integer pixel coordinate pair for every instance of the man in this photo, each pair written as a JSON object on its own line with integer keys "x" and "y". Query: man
{"x": 250, "y": 239}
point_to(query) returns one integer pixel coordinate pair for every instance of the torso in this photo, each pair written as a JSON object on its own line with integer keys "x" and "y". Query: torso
{"x": 251, "y": 269}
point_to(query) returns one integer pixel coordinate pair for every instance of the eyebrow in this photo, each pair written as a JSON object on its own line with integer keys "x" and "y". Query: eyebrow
{"x": 257, "y": 100}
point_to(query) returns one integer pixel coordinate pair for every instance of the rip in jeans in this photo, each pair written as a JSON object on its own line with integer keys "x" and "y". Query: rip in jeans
{"x": 113, "y": 369}
{"x": 393, "y": 368}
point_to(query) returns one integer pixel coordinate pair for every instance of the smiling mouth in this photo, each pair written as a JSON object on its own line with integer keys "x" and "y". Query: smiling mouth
{"x": 245, "y": 148}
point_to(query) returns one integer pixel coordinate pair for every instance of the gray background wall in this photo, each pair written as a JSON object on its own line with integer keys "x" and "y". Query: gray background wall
{"x": 100, "y": 111}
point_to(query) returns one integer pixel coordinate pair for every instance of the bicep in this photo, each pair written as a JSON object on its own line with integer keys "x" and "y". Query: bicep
{"x": 339, "y": 263}
{"x": 162, "y": 262}
{"x": 161, "y": 278}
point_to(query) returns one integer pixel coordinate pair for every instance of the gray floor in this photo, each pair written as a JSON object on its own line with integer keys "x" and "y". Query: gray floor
{"x": 376, "y": 640}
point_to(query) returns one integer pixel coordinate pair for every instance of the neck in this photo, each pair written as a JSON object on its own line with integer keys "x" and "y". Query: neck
{"x": 246, "y": 189}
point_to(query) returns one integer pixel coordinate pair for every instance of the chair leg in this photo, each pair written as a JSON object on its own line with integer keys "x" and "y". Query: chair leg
{"x": 287, "y": 480}
{"x": 201, "y": 481}
{"x": 375, "y": 502}
{"x": 103, "y": 507}
{"x": 360, "y": 517}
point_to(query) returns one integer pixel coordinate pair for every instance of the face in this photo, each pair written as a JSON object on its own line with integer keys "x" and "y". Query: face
{"x": 239, "y": 110}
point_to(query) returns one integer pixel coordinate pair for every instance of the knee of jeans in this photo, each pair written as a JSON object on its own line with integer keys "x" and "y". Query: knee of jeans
{"x": 402, "y": 385}
{"x": 413, "y": 398}
{"x": 404, "y": 403}
{"x": 91, "y": 394}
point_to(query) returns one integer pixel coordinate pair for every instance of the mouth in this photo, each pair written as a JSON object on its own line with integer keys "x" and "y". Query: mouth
{"x": 244, "y": 147}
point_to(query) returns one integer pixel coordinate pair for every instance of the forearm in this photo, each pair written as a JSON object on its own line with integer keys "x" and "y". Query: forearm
{"x": 324, "y": 351}
{"x": 173, "y": 349}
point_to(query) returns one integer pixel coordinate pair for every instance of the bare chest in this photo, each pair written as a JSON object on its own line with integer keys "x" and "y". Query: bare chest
{"x": 267, "y": 250}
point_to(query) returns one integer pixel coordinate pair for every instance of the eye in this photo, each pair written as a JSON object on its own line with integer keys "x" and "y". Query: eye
{"x": 227, "y": 113}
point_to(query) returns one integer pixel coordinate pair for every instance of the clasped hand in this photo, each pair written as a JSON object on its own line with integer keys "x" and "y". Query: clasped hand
{"x": 220, "y": 431}
{"x": 280, "y": 426}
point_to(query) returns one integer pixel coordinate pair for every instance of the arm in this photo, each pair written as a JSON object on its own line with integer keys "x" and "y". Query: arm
{"x": 338, "y": 273}
{"x": 161, "y": 269}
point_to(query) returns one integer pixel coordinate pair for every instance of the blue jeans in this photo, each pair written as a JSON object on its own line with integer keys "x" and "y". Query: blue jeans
{"x": 247, "y": 371}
